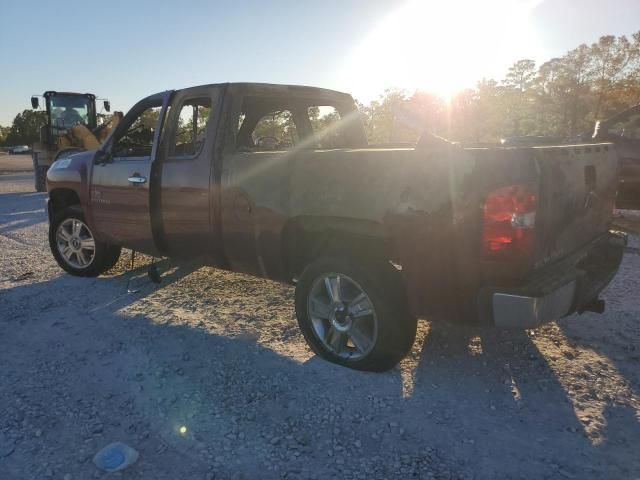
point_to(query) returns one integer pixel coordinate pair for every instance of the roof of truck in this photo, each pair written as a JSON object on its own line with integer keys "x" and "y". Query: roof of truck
{"x": 285, "y": 89}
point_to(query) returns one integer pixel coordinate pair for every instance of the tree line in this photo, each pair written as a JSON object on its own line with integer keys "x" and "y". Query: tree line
{"x": 561, "y": 98}
{"x": 24, "y": 130}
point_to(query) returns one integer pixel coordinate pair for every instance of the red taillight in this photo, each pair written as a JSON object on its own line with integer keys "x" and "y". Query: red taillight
{"x": 509, "y": 221}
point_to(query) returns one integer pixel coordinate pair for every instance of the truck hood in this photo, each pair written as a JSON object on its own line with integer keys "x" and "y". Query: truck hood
{"x": 69, "y": 172}
{"x": 73, "y": 160}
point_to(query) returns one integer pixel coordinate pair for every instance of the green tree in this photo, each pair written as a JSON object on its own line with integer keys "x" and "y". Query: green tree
{"x": 517, "y": 91}
{"x": 25, "y": 129}
{"x": 560, "y": 98}
{"x": 610, "y": 57}
{"x": 4, "y": 132}
{"x": 390, "y": 119}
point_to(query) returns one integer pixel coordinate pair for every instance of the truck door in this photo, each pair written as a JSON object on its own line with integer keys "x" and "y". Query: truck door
{"x": 186, "y": 201}
{"x": 122, "y": 180}
{"x": 258, "y": 156}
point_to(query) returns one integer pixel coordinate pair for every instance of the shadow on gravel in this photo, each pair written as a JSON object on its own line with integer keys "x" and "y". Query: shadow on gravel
{"x": 612, "y": 344}
{"x": 497, "y": 382}
{"x": 91, "y": 369}
{"x": 616, "y": 356}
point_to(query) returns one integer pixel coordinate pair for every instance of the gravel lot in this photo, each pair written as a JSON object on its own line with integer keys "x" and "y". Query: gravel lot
{"x": 84, "y": 363}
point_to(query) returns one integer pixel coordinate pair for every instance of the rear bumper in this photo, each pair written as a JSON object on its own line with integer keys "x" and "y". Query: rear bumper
{"x": 556, "y": 291}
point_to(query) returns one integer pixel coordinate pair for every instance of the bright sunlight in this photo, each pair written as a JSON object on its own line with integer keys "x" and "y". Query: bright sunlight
{"x": 442, "y": 46}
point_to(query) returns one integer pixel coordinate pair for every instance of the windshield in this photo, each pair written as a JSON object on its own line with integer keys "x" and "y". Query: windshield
{"x": 67, "y": 110}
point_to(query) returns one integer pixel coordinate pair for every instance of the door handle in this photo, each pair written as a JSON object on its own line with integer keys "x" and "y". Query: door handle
{"x": 136, "y": 179}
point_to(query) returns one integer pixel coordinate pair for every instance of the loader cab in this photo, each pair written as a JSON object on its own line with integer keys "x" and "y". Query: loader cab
{"x": 65, "y": 110}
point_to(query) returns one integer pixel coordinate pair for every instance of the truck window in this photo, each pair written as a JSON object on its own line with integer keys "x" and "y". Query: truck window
{"x": 328, "y": 130}
{"x": 274, "y": 131}
{"x": 191, "y": 128}
{"x": 137, "y": 141}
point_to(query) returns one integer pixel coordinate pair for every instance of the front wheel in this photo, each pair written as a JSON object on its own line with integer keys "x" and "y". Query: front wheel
{"x": 353, "y": 315}
{"x": 75, "y": 248}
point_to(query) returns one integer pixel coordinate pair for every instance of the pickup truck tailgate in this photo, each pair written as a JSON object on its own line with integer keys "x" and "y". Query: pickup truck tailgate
{"x": 576, "y": 197}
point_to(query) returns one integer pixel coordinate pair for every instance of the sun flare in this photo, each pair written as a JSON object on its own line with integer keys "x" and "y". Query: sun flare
{"x": 441, "y": 46}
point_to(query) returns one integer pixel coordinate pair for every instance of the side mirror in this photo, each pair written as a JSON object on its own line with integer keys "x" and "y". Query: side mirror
{"x": 35, "y": 102}
{"x": 107, "y": 105}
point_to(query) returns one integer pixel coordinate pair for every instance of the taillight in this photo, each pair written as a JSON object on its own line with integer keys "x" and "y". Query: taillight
{"x": 509, "y": 220}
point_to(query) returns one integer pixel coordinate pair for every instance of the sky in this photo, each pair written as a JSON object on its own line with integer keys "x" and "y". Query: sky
{"x": 126, "y": 50}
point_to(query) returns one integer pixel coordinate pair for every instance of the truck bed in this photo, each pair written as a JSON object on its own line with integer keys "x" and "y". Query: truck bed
{"x": 430, "y": 202}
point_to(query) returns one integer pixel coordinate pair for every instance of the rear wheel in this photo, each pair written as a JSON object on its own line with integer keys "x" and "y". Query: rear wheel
{"x": 353, "y": 315}
{"x": 75, "y": 248}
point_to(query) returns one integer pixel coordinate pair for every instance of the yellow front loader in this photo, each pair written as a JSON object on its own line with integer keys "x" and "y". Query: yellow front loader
{"x": 72, "y": 125}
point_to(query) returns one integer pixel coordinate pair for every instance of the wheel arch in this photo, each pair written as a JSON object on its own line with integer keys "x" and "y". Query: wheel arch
{"x": 61, "y": 198}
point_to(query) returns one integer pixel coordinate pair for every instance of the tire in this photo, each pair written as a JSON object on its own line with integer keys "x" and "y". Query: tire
{"x": 389, "y": 329}
{"x": 64, "y": 223}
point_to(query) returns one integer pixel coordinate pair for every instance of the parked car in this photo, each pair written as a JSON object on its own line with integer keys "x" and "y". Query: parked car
{"x": 278, "y": 181}
{"x": 20, "y": 149}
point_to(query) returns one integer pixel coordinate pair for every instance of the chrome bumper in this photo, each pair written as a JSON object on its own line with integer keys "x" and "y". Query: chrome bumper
{"x": 517, "y": 311}
{"x": 550, "y": 299}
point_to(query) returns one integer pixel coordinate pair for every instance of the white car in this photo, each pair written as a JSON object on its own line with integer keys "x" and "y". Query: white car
{"x": 20, "y": 149}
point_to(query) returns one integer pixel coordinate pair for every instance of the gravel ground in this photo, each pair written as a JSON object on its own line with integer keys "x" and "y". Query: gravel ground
{"x": 207, "y": 377}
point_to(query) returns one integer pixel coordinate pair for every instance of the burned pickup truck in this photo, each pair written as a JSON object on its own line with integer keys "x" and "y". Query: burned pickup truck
{"x": 278, "y": 181}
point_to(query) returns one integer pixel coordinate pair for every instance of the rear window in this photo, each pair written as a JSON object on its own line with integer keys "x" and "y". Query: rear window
{"x": 281, "y": 123}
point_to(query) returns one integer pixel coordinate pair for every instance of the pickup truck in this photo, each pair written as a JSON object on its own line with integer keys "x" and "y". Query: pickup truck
{"x": 278, "y": 181}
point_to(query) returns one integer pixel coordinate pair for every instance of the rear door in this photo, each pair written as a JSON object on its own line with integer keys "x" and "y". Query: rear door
{"x": 122, "y": 185}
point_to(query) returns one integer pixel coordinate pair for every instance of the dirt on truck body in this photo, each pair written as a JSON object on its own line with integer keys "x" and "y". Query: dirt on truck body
{"x": 278, "y": 181}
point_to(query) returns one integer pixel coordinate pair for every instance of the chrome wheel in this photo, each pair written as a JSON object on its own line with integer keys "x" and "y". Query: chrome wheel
{"x": 75, "y": 243}
{"x": 342, "y": 316}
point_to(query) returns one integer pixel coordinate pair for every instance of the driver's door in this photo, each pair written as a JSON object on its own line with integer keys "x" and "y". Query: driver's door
{"x": 121, "y": 180}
